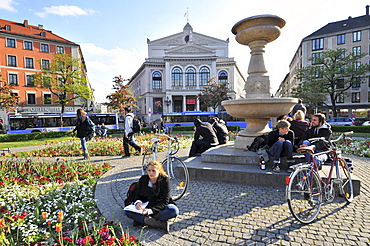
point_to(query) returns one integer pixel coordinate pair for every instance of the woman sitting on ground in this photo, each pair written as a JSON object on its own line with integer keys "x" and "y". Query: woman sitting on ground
{"x": 154, "y": 188}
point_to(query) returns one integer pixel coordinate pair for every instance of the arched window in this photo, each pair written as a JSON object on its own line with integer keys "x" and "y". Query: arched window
{"x": 157, "y": 80}
{"x": 176, "y": 76}
{"x": 222, "y": 77}
{"x": 190, "y": 79}
{"x": 203, "y": 76}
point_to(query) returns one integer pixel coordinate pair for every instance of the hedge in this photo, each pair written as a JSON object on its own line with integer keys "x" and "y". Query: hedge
{"x": 365, "y": 129}
{"x": 32, "y": 136}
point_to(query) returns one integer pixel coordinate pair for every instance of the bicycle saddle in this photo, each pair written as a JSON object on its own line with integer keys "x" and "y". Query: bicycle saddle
{"x": 310, "y": 149}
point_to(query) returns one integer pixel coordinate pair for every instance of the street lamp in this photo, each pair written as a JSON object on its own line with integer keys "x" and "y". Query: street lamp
{"x": 168, "y": 103}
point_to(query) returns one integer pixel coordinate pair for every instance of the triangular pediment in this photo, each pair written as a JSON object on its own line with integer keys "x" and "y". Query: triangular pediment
{"x": 190, "y": 49}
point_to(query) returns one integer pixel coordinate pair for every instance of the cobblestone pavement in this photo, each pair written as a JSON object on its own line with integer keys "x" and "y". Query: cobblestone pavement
{"x": 218, "y": 213}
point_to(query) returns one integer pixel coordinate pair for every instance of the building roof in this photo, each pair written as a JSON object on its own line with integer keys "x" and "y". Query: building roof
{"x": 23, "y": 29}
{"x": 342, "y": 26}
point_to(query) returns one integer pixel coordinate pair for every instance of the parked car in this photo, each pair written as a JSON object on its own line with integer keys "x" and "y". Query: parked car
{"x": 341, "y": 121}
{"x": 366, "y": 123}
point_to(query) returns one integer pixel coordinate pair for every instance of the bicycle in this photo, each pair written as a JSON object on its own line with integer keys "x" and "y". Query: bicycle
{"x": 305, "y": 188}
{"x": 173, "y": 166}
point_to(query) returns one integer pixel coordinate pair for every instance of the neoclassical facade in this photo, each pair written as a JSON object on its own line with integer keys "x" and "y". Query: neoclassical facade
{"x": 177, "y": 68}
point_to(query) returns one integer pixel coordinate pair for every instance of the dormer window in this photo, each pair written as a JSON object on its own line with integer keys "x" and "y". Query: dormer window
{"x": 7, "y": 27}
{"x": 43, "y": 34}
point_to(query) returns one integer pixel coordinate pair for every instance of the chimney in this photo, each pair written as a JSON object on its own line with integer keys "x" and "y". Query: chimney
{"x": 41, "y": 27}
{"x": 25, "y": 23}
{"x": 367, "y": 9}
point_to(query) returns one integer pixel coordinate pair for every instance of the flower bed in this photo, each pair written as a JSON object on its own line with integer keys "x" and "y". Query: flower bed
{"x": 99, "y": 146}
{"x": 355, "y": 147}
{"x": 52, "y": 203}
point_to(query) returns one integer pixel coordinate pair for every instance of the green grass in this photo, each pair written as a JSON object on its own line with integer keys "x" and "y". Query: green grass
{"x": 5, "y": 145}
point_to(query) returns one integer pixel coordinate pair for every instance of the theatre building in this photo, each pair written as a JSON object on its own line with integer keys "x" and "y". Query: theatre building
{"x": 177, "y": 68}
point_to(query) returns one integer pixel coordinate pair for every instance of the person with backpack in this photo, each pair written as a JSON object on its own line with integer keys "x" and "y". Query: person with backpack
{"x": 131, "y": 125}
{"x": 151, "y": 203}
{"x": 83, "y": 128}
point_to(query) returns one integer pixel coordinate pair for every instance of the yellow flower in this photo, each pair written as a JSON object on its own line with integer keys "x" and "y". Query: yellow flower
{"x": 44, "y": 215}
{"x": 60, "y": 215}
{"x": 58, "y": 227}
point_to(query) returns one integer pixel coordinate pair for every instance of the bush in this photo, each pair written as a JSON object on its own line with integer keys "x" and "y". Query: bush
{"x": 365, "y": 129}
{"x": 32, "y": 136}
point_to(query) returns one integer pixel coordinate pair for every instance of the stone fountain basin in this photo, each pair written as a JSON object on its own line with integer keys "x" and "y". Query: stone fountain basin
{"x": 259, "y": 108}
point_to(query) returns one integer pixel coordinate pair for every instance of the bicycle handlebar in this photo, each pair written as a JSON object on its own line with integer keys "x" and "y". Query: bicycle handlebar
{"x": 332, "y": 141}
{"x": 165, "y": 135}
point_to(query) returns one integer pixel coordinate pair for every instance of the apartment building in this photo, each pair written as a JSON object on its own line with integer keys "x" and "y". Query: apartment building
{"x": 24, "y": 49}
{"x": 352, "y": 34}
{"x": 177, "y": 68}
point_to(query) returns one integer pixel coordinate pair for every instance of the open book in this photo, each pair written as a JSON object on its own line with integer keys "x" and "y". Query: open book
{"x": 132, "y": 208}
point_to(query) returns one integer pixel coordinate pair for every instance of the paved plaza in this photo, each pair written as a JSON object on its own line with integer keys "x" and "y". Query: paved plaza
{"x": 218, "y": 213}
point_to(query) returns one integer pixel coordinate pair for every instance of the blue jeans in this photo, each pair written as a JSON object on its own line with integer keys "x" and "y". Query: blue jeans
{"x": 169, "y": 212}
{"x": 280, "y": 149}
{"x": 318, "y": 159}
{"x": 83, "y": 144}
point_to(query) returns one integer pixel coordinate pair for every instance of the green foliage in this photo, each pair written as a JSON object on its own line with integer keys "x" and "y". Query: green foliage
{"x": 65, "y": 79}
{"x": 332, "y": 74}
{"x": 122, "y": 96}
{"x": 213, "y": 94}
{"x": 7, "y": 100}
{"x": 364, "y": 129}
{"x": 32, "y": 136}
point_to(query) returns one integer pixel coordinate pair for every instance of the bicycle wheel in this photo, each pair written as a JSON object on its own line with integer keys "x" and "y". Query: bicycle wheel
{"x": 304, "y": 194}
{"x": 345, "y": 186}
{"x": 179, "y": 176}
{"x": 148, "y": 157}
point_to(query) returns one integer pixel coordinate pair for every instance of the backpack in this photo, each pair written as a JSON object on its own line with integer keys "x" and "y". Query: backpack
{"x": 131, "y": 193}
{"x": 90, "y": 128}
{"x": 136, "y": 126}
{"x": 258, "y": 142}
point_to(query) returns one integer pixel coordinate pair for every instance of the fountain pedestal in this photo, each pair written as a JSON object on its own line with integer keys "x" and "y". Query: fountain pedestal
{"x": 258, "y": 107}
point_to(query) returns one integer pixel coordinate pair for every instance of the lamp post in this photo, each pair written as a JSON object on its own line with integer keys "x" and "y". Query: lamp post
{"x": 168, "y": 103}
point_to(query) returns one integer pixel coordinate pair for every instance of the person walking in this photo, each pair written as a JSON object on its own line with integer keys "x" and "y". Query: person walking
{"x": 208, "y": 140}
{"x": 153, "y": 190}
{"x": 128, "y": 138}
{"x": 81, "y": 128}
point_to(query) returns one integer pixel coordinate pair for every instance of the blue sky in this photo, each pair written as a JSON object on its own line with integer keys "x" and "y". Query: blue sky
{"x": 113, "y": 33}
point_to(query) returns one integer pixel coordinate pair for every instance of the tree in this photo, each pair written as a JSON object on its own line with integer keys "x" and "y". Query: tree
{"x": 122, "y": 97}
{"x": 213, "y": 94}
{"x": 332, "y": 74}
{"x": 65, "y": 79}
{"x": 7, "y": 99}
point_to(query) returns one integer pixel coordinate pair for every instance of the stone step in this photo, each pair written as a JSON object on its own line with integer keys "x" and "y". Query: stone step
{"x": 242, "y": 167}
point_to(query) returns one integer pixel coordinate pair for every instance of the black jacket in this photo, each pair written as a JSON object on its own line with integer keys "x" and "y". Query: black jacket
{"x": 274, "y": 135}
{"x": 221, "y": 131}
{"x": 158, "y": 195}
{"x": 81, "y": 126}
{"x": 206, "y": 131}
{"x": 323, "y": 131}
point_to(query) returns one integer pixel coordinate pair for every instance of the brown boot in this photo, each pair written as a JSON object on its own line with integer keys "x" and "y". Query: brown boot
{"x": 161, "y": 224}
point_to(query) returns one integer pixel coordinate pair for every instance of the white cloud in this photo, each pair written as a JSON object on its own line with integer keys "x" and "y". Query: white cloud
{"x": 64, "y": 10}
{"x": 104, "y": 64}
{"x": 7, "y": 5}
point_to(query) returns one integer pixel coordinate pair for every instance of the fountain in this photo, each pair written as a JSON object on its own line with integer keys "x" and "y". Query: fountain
{"x": 258, "y": 107}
